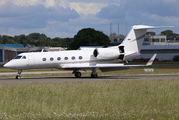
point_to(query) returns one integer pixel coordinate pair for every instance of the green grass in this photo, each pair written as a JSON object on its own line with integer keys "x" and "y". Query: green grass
{"x": 139, "y": 99}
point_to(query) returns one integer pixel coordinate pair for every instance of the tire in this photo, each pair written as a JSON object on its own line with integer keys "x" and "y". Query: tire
{"x": 94, "y": 75}
{"x": 18, "y": 77}
{"x": 78, "y": 74}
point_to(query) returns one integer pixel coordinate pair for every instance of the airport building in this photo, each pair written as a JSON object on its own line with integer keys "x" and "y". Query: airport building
{"x": 7, "y": 53}
{"x": 116, "y": 39}
{"x": 164, "y": 52}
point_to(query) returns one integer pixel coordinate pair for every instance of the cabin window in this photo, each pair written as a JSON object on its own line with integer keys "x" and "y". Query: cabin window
{"x": 80, "y": 57}
{"x": 18, "y": 57}
{"x": 24, "y": 57}
{"x": 51, "y": 59}
{"x": 66, "y": 58}
{"x": 72, "y": 57}
{"x": 44, "y": 59}
{"x": 59, "y": 58}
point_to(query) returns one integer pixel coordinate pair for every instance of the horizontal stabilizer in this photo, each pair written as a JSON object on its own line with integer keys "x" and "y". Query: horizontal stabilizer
{"x": 136, "y": 27}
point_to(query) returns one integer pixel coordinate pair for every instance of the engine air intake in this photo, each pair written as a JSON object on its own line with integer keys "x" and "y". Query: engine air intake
{"x": 95, "y": 53}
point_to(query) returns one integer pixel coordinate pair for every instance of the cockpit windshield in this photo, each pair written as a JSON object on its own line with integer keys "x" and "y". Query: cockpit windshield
{"x": 24, "y": 57}
{"x": 18, "y": 57}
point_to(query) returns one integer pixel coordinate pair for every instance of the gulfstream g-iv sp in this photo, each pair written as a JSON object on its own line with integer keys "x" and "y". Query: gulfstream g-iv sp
{"x": 102, "y": 58}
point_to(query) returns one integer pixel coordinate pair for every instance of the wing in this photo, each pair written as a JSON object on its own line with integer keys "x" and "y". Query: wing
{"x": 116, "y": 65}
{"x": 83, "y": 66}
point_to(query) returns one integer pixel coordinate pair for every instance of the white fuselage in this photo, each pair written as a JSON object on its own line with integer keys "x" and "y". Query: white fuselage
{"x": 60, "y": 59}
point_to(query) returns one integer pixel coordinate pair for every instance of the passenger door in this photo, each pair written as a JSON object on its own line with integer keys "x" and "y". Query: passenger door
{"x": 31, "y": 61}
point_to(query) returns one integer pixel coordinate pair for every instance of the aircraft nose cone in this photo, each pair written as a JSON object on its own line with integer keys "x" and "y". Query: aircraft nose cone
{"x": 8, "y": 65}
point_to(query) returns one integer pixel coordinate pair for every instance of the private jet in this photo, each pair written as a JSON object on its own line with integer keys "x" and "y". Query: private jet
{"x": 105, "y": 59}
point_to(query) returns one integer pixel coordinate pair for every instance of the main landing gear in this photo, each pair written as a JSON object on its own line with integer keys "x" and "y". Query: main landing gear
{"x": 18, "y": 74}
{"x": 93, "y": 73}
{"x": 77, "y": 73}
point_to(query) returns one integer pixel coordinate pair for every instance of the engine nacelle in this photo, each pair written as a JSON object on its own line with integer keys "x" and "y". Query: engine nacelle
{"x": 106, "y": 53}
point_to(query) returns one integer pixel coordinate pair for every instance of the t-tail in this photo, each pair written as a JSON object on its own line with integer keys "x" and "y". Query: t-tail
{"x": 133, "y": 42}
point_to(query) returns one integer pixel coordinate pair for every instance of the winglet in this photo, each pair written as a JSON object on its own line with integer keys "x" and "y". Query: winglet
{"x": 151, "y": 60}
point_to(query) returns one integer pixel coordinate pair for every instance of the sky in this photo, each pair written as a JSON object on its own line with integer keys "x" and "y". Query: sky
{"x": 64, "y": 18}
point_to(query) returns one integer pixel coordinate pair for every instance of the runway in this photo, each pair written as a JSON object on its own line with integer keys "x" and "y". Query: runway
{"x": 72, "y": 79}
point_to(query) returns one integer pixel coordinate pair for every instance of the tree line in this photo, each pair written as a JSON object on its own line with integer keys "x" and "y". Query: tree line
{"x": 85, "y": 37}
{"x": 35, "y": 40}
{"x": 169, "y": 32}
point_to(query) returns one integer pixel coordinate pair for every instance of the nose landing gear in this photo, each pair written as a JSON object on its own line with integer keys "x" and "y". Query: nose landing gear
{"x": 18, "y": 74}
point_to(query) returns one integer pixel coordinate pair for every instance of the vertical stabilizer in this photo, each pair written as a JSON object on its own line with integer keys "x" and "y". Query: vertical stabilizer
{"x": 134, "y": 40}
